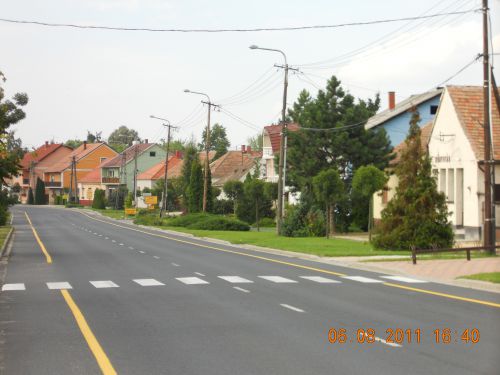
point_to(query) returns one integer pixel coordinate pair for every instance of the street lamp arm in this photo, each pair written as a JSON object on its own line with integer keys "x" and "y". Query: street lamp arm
{"x": 159, "y": 118}
{"x": 271, "y": 49}
{"x": 198, "y": 93}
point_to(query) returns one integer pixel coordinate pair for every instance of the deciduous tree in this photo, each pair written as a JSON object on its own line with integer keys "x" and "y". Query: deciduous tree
{"x": 328, "y": 189}
{"x": 218, "y": 140}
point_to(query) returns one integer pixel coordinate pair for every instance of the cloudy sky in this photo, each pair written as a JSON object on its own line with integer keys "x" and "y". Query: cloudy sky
{"x": 97, "y": 80}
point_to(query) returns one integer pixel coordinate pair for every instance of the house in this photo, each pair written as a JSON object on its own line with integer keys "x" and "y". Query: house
{"x": 271, "y": 142}
{"x": 87, "y": 156}
{"x": 455, "y": 143}
{"x": 234, "y": 166}
{"x": 35, "y": 163}
{"x": 396, "y": 119}
{"x": 88, "y": 184}
{"x": 120, "y": 169}
{"x": 149, "y": 177}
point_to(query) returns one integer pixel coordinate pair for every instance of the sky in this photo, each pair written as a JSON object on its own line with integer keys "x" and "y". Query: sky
{"x": 81, "y": 80}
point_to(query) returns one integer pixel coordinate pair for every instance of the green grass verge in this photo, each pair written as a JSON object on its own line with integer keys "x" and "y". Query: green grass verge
{"x": 492, "y": 277}
{"x": 3, "y": 234}
{"x": 309, "y": 245}
{"x": 115, "y": 214}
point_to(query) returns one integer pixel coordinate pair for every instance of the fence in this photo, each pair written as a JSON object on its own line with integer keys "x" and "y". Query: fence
{"x": 415, "y": 251}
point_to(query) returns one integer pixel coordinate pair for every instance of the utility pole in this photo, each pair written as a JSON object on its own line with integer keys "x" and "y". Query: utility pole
{"x": 207, "y": 145}
{"x": 73, "y": 195}
{"x": 136, "y": 148}
{"x": 164, "y": 206}
{"x": 122, "y": 176}
{"x": 488, "y": 219}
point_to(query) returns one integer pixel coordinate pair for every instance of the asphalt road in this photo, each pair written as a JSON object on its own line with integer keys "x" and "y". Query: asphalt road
{"x": 139, "y": 301}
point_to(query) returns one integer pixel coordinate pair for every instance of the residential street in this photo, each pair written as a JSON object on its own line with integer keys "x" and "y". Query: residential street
{"x": 140, "y": 301}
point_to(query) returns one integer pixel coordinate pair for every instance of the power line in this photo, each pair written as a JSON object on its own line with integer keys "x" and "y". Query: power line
{"x": 248, "y": 124}
{"x": 460, "y": 70}
{"x": 258, "y": 29}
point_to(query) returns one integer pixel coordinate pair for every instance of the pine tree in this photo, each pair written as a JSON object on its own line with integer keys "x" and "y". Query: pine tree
{"x": 99, "y": 201}
{"x": 40, "y": 192}
{"x": 417, "y": 216}
{"x": 31, "y": 198}
{"x": 195, "y": 188}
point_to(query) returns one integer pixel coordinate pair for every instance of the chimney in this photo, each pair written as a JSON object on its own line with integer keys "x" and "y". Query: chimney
{"x": 84, "y": 145}
{"x": 249, "y": 149}
{"x": 46, "y": 143}
{"x": 178, "y": 154}
{"x": 392, "y": 100}
{"x": 243, "y": 148}
{"x": 146, "y": 141}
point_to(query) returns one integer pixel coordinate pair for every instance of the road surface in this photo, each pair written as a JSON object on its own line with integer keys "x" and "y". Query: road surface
{"x": 83, "y": 294}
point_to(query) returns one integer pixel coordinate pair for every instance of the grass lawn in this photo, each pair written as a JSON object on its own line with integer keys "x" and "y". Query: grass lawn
{"x": 3, "y": 234}
{"x": 493, "y": 277}
{"x": 309, "y": 245}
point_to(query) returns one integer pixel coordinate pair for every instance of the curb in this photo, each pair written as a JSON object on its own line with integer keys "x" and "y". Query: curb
{"x": 477, "y": 285}
{"x": 6, "y": 242}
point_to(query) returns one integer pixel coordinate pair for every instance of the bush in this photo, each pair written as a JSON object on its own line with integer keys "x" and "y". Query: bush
{"x": 266, "y": 222}
{"x": 220, "y": 223}
{"x": 186, "y": 220}
{"x": 4, "y": 215}
{"x": 149, "y": 219}
{"x": 58, "y": 200}
{"x": 303, "y": 221}
{"x": 223, "y": 206}
{"x": 99, "y": 201}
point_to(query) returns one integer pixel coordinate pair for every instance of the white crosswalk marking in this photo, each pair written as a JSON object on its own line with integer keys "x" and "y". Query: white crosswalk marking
{"x": 191, "y": 280}
{"x": 362, "y": 279}
{"x": 235, "y": 279}
{"x": 59, "y": 285}
{"x": 277, "y": 279}
{"x": 104, "y": 284}
{"x": 16, "y": 286}
{"x": 320, "y": 279}
{"x": 403, "y": 279}
{"x": 148, "y": 282}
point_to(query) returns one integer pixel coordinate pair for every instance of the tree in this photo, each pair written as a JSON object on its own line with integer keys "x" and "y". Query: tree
{"x": 255, "y": 142}
{"x": 328, "y": 189}
{"x": 218, "y": 140}
{"x": 31, "y": 198}
{"x": 190, "y": 156}
{"x": 254, "y": 190}
{"x": 195, "y": 188}
{"x": 73, "y": 143}
{"x": 99, "y": 201}
{"x": 129, "y": 201}
{"x": 40, "y": 192}
{"x": 10, "y": 113}
{"x": 366, "y": 181}
{"x": 271, "y": 191}
{"x": 339, "y": 140}
{"x": 122, "y": 138}
{"x": 417, "y": 216}
{"x": 234, "y": 191}
{"x": 174, "y": 193}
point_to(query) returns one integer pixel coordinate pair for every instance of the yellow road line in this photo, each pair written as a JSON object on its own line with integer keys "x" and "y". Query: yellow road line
{"x": 42, "y": 246}
{"x": 101, "y": 357}
{"x": 445, "y": 295}
{"x": 222, "y": 250}
{"x": 451, "y": 296}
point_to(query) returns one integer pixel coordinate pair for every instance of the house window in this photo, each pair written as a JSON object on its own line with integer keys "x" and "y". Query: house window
{"x": 434, "y": 109}
{"x": 52, "y": 178}
{"x": 102, "y": 159}
{"x": 152, "y": 153}
{"x": 385, "y": 195}
{"x": 442, "y": 180}
{"x": 496, "y": 194}
{"x": 451, "y": 185}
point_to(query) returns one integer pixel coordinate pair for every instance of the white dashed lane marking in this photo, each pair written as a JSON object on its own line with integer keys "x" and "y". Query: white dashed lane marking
{"x": 156, "y": 257}
{"x": 191, "y": 280}
{"x": 362, "y": 279}
{"x": 277, "y": 279}
{"x": 175, "y": 265}
{"x": 142, "y": 252}
{"x": 16, "y": 286}
{"x": 131, "y": 248}
{"x": 148, "y": 282}
{"x": 59, "y": 285}
{"x": 291, "y": 307}
{"x": 241, "y": 289}
{"x": 235, "y": 279}
{"x": 404, "y": 279}
{"x": 113, "y": 241}
{"x": 199, "y": 274}
{"x": 320, "y": 279}
{"x": 104, "y": 284}
{"x": 121, "y": 244}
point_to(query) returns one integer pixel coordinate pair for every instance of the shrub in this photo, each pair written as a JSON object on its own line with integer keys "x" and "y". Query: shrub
{"x": 303, "y": 221}
{"x": 99, "y": 201}
{"x": 266, "y": 222}
{"x": 186, "y": 220}
{"x": 58, "y": 200}
{"x": 148, "y": 219}
{"x": 4, "y": 215}
{"x": 220, "y": 223}
{"x": 223, "y": 206}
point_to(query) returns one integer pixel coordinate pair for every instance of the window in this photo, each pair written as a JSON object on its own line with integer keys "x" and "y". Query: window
{"x": 451, "y": 185}
{"x": 385, "y": 195}
{"x": 496, "y": 194}
{"x": 152, "y": 153}
{"x": 442, "y": 180}
{"x": 434, "y": 109}
{"x": 102, "y": 159}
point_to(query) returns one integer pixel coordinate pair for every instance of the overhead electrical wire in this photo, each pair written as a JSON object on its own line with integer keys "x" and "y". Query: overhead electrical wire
{"x": 257, "y": 29}
{"x": 263, "y": 77}
{"x": 248, "y": 124}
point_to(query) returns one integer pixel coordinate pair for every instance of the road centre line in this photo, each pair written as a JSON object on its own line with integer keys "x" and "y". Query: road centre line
{"x": 96, "y": 349}
{"x": 291, "y": 308}
{"x": 175, "y": 265}
{"x": 48, "y": 258}
{"x": 450, "y": 296}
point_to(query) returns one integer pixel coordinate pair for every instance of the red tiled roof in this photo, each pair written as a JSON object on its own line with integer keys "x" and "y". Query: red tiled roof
{"x": 468, "y": 103}
{"x": 80, "y": 152}
{"x": 129, "y": 154}
{"x": 425, "y": 137}
{"x": 233, "y": 165}
{"x": 40, "y": 153}
{"x": 157, "y": 171}
{"x": 274, "y": 132}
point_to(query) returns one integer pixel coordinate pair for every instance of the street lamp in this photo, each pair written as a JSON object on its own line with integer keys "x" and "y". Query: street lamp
{"x": 207, "y": 145}
{"x": 283, "y": 141}
{"x": 164, "y": 205}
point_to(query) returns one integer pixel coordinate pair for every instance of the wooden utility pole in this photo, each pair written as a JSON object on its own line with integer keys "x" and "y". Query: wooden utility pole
{"x": 207, "y": 151}
{"x": 164, "y": 205}
{"x": 136, "y": 149}
{"x": 488, "y": 220}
